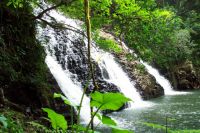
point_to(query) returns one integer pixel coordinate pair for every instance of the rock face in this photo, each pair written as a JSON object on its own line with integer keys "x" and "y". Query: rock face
{"x": 185, "y": 77}
{"x": 144, "y": 82}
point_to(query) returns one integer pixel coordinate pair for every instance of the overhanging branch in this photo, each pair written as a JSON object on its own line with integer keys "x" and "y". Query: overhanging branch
{"x": 62, "y": 26}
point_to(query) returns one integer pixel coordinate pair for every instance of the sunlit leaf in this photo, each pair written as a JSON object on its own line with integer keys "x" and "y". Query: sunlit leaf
{"x": 111, "y": 101}
{"x": 66, "y": 101}
{"x": 108, "y": 121}
{"x": 57, "y": 120}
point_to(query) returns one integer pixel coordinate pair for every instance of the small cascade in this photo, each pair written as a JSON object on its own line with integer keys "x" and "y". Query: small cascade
{"x": 168, "y": 89}
{"x": 161, "y": 80}
{"x": 71, "y": 90}
{"x": 113, "y": 73}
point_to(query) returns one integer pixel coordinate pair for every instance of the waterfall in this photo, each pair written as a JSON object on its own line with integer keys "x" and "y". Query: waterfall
{"x": 66, "y": 80}
{"x": 117, "y": 76}
{"x": 71, "y": 90}
{"x": 161, "y": 80}
{"x": 62, "y": 58}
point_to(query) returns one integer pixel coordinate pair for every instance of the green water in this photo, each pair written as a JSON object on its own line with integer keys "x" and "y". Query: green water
{"x": 182, "y": 112}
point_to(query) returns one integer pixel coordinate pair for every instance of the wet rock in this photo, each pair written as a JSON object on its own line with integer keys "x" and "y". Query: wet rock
{"x": 185, "y": 76}
{"x": 145, "y": 83}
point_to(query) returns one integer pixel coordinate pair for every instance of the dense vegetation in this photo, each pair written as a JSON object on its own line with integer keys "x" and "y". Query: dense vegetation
{"x": 161, "y": 32}
{"x": 165, "y": 33}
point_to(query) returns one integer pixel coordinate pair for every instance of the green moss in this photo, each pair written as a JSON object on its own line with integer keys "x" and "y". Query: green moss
{"x": 141, "y": 68}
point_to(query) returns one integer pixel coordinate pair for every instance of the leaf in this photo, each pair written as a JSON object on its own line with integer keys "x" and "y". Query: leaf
{"x": 79, "y": 128}
{"x": 57, "y": 120}
{"x": 98, "y": 115}
{"x": 116, "y": 129}
{"x": 108, "y": 121}
{"x": 9, "y": 3}
{"x": 3, "y": 120}
{"x": 111, "y": 101}
{"x": 66, "y": 101}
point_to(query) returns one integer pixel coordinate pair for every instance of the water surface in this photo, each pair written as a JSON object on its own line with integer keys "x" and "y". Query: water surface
{"x": 182, "y": 112}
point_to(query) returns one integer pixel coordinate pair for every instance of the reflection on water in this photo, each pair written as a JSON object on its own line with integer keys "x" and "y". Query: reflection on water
{"x": 182, "y": 112}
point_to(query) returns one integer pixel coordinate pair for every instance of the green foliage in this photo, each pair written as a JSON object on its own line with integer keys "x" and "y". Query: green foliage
{"x": 116, "y": 129}
{"x": 130, "y": 57}
{"x": 7, "y": 124}
{"x": 141, "y": 68}
{"x": 57, "y": 120}
{"x": 108, "y": 121}
{"x": 108, "y": 45}
{"x": 111, "y": 101}
{"x": 66, "y": 101}
{"x": 156, "y": 126}
{"x": 3, "y": 121}
{"x": 39, "y": 127}
{"x": 15, "y": 3}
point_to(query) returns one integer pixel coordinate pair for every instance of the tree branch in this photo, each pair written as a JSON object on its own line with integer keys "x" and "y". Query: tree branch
{"x": 48, "y": 9}
{"x": 62, "y": 26}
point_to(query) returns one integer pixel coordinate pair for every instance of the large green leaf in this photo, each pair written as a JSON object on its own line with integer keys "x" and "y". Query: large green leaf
{"x": 108, "y": 121}
{"x": 57, "y": 120}
{"x": 111, "y": 101}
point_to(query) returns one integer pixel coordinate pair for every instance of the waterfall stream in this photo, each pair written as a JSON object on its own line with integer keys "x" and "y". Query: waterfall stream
{"x": 71, "y": 90}
{"x": 168, "y": 89}
{"x": 161, "y": 80}
{"x": 61, "y": 57}
{"x": 117, "y": 76}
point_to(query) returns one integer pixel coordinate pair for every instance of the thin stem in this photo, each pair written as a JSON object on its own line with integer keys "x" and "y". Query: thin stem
{"x": 88, "y": 25}
{"x": 92, "y": 118}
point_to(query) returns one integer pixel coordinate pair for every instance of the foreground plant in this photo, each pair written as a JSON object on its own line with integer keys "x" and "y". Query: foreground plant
{"x": 100, "y": 101}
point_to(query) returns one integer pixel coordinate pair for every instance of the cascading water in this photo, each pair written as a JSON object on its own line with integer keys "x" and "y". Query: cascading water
{"x": 117, "y": 76}
{"x": 66, "y": 80}
{"x": 62, "y": 59}
{"x": 72, "y": 91}
{"x": 161, "y": 80}
{"x": 168, "y": 89}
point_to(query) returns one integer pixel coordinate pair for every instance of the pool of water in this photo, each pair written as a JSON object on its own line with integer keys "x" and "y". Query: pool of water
{"x": 180, "y": 112}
